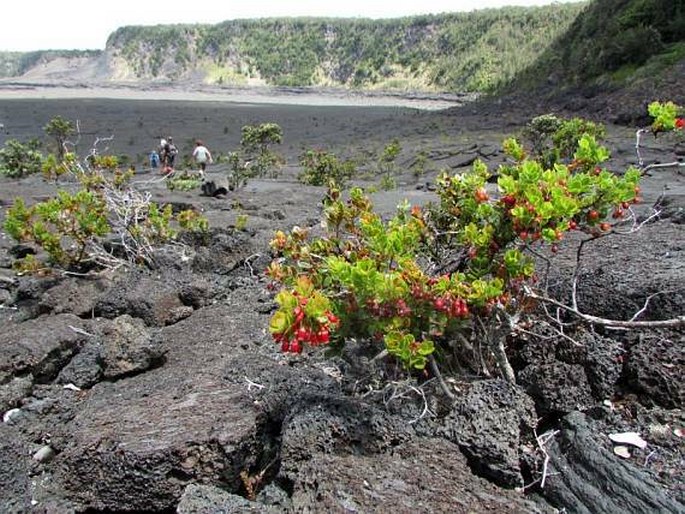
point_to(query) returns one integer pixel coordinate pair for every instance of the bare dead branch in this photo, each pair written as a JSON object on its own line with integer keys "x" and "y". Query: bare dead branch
{"x": 638, "y": 140}
{"x": 441, "y": 381}
{"x": 675, "y": 164}
{"x": 542, "y": 441}
{"x": 73, "y": 144}
{"x": 646, "y": 304}
{"x": 611, "y": 323}
{"x": 401, "y": 389}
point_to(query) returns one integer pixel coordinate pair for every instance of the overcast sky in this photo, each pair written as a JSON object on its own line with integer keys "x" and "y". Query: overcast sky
{"x": 86, "y": 24}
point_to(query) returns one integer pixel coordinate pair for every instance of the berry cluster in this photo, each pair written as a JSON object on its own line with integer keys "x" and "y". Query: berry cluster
{"x": 388, "y": 309}
{"x": 313, "y": 330}
{"x": 454, "y": 307}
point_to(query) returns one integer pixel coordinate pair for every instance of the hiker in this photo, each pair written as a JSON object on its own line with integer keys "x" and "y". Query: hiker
{"x": 154, "y": 159}
{"x": 202, "y": 155}
{"x": 168, "y": 155}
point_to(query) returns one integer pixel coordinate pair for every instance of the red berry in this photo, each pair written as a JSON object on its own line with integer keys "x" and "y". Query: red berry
{"x": 323, "y": 336}
{"x": 679, "y": 123}
{"x": 605, "y": 227}
{"x": 509, "y": 200}
{"x": 299, "y": 314}
{"x": 592, "y": 215}
{"x": 296, "y": 347}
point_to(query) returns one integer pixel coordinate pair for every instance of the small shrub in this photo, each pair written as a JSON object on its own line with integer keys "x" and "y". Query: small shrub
{"x": 383, "y": 281}
{"x": 386, "y": 163}
{"x": 71, "y": 228}
{"x": 241, "y": 222}
{"x": 388, "y": 183}
{"x": 320, "y": 167}
{"x": 553, "y": 139}
{"x": 183, "y": 183}
{"x": 63, "y": 226}
{"x": 52, "y": 168}
{"x": 421, "y": 165}
{"x": 192, "y": 221}
{"x": 60, "y": 129}
{"x": 19, "y": 159}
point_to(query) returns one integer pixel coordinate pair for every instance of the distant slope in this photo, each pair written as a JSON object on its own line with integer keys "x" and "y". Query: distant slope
{"x": 613, "y": 42}
{"x": 475, "y": 51}
{"x": 15, "y": 64}
{"x": 616, "y": 57}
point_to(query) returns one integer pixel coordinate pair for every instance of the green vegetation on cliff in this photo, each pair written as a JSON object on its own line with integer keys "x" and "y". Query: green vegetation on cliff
{"x": 615, "y": 41}
{"x": 475, "y": 51}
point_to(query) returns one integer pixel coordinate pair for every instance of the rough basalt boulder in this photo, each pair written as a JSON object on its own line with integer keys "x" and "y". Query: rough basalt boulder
{"x": 121, "y": 347}
{"x": 557, "y": 387}
{"x": 584, "y": 477}
{"x": 424, "y": 475}
{"x": 74, "y": 296}
{"x": 655, "y": 369}
{"x": 488, "y": 423}
{"x": 40, "y": 346}
{"x": 155, "y": 300}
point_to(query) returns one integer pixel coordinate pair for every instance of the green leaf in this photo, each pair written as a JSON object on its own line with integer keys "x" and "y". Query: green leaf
{"x": 507, "y": 184}
{"x": 286, "y": 300}
{"x": 280, "y": 322}
{"x": 579, "y": 183}
{"x": 427, "y": 347}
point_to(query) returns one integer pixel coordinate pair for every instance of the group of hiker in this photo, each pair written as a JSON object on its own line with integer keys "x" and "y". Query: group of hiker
{"x": 165, "y": 156}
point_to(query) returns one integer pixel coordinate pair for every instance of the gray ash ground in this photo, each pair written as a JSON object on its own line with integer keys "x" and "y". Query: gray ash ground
{"x": 184, "y": 403}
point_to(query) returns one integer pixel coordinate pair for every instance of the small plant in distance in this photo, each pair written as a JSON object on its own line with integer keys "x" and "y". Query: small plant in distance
{"x": 387, "y": 165}
{"x": 63, "y": 226}
{"x": 192, "y": 221}
{"x": 320, "y": 167}
{"x": 554, "y": 139}
{"x": 71, "y": 227}
{"x": 421, "y": 165}
{"x": 256, "y": 142}
{"x": 60, "y": 129}
{"x": 241, "y": 222}
{"x": 53, "y": 169}
{"x": 19, "y": 159}
{"x": 183, "y": 182}
{"x": 255, "y": 158}
{"x": 424, "y": 283}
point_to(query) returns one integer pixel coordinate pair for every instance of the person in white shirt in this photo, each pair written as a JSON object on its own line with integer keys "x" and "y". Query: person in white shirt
{"x": 202, "y": 156}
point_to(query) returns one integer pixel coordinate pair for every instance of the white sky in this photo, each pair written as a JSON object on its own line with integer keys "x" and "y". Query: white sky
{"x": 86, "y": 24}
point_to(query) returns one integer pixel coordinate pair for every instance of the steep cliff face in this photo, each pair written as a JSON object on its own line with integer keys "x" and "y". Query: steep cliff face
{"x": 615, "y": 42}
{"x": 450, "y": 52}
{"x": 468, "y": 51}
{"x": 607, "y": 42}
